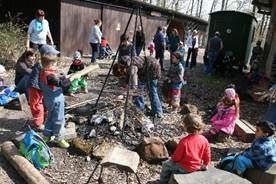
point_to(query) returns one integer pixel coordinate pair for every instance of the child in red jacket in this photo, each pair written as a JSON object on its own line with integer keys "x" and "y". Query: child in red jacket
{"x": 192, "y": 152}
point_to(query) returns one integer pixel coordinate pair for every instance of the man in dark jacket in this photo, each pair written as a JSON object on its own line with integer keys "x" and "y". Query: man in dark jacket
{"x": 160, "y": 44}
{"x": 214, "y": 46}
{"x": 140, "y": 40}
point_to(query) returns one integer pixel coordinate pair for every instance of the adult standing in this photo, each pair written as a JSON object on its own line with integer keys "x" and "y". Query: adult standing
{"x": 160, "y": 44}
{"x": 95, "y": 39}
{"x": 189, "y": 44}
{"x": 38, "y": 31}
{"x": 173, "y": 41}
{"x": 215, "y": 45}
{"x": 270, "y": 114}
{"x": 140, "y": 40}
{"x": 194, "y": 49}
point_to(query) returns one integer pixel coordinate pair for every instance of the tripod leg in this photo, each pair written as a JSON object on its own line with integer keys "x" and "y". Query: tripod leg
{"x": 100, "y": 177}
{"x": 93, "y": 172}
{"x": 138, "y": 179}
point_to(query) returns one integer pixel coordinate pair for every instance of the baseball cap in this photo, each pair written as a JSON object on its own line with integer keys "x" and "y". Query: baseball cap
{"x": 48, "y": 50}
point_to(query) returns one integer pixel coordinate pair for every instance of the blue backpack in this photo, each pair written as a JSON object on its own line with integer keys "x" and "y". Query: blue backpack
{"x": 36, "y": 150}
{"x": 228, "y": 162}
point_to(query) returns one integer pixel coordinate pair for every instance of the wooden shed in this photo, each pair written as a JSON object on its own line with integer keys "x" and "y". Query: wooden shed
{"x": 71, "y": 20}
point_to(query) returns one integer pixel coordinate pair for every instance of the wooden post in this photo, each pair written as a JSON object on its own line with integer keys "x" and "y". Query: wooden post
{"x": 30, "y": 174}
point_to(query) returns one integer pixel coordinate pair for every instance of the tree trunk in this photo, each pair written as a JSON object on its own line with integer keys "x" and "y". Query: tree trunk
{"x": 192, "y": 8}
{"x": 213, "y": 6}
{"x": 222, "y": 5}
{"x": 226, "y": 4}
{"x": 200, "y": 8}
{"x": 269, "y": 49}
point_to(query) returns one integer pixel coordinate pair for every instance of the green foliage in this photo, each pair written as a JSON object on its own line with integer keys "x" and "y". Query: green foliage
{"x": 12, "y": 43}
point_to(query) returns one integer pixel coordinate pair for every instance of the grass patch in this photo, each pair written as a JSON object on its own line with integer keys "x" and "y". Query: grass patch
{"x": 12, "y": 44}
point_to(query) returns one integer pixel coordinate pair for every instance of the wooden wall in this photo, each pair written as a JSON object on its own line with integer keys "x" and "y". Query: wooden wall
{"x": 76, "y": 20}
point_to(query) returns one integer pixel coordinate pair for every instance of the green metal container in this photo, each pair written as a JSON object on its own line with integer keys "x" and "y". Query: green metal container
{"x": 237, "y": 32}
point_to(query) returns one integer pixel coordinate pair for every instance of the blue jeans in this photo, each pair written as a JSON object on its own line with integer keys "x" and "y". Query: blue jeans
{"x": 153, "y": 95}
{"x": 270, "y": 114}
{"x": 138, "y": 50}
{"x": 241, "y": 164}
{"x": 170, "y": 167}
{"x": 95, "y": 51}
{"x": 212, "y": 57}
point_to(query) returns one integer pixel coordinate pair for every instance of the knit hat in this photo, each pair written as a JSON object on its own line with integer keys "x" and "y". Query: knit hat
{"x": 77, "y": 55}
{"x": 230, "y": 93}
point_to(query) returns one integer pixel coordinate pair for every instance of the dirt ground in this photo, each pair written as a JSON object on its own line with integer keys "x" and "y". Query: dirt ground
{"x": 71, "y": 168}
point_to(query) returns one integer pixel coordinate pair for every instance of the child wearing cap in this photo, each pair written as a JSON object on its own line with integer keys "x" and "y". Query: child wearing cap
{"x": 51, "y": 85}
{"x": 175, "y": 79}
{"x": 227, "y": 112}
{"x": 77, "y": 65}
{"x": 35, "y": 95}
{"x": 262, "y": 153}
{"x": 192, "y": 153}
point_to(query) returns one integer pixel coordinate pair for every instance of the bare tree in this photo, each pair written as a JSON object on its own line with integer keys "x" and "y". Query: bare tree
{"x": 222, "y": 5}
{"x": 192, "y": 8}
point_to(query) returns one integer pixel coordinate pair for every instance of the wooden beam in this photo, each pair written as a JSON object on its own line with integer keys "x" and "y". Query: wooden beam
{"x": 30, "y": 174}
{"x": 85, "y": 71}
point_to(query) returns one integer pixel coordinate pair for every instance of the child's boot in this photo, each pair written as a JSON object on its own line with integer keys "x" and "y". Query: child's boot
{"x": 63, "y": 144}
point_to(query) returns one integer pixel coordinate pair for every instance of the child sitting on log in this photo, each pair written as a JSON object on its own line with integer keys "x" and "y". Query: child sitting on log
{"x": 51, "y": 86}
{"x": 262, "y": 153}
{"x": 224, "y": 120}
{"x": 192, "y": 153}
{"x": 81, "y": 83}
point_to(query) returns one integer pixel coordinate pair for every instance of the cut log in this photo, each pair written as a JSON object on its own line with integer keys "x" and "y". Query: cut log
{"x": 85, "y": 71}
{"x": 30, "y": 174}
{"x": 244, "y": 131}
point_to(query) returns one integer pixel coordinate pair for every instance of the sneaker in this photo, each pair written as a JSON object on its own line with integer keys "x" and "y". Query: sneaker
{"x": 63, "y": 144}
{"x": 49, "y": 138}
{"x": 159, "y": 115}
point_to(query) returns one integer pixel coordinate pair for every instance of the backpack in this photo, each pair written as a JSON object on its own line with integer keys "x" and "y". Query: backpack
{"x": 228, "y": 162}
{"x": 36, "y": 150}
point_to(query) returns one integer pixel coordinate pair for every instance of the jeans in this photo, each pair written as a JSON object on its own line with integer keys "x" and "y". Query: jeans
{"x": 170, "y": 167}
{"x": 212, "y": 57}
{"x": 270, "y": 114}
{"x": 138, "y": 50}
{"x": 241, "y": 164}
{"x": 159, "y": 54}
{"x": 153, "y": 95}
{"x": 95, "y": 51}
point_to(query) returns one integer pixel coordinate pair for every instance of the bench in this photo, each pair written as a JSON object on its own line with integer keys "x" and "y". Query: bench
{"x": 211, "y": 176}
{"x": 257, "y": 176}
{"x": 244, "y": 131}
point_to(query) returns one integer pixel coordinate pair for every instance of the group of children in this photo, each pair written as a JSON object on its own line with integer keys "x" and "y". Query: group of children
{"x": 193, "y": 151}
{"x": 38, "y": 78}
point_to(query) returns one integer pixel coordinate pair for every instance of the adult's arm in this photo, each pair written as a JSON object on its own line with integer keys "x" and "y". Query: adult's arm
{"x": 22, "y": 68}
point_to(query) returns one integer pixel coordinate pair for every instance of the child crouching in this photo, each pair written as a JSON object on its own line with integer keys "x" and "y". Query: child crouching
{"x": 191, "y": 154}
{"x": 53, "y": 99}
{"x": 81, "y": 83}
